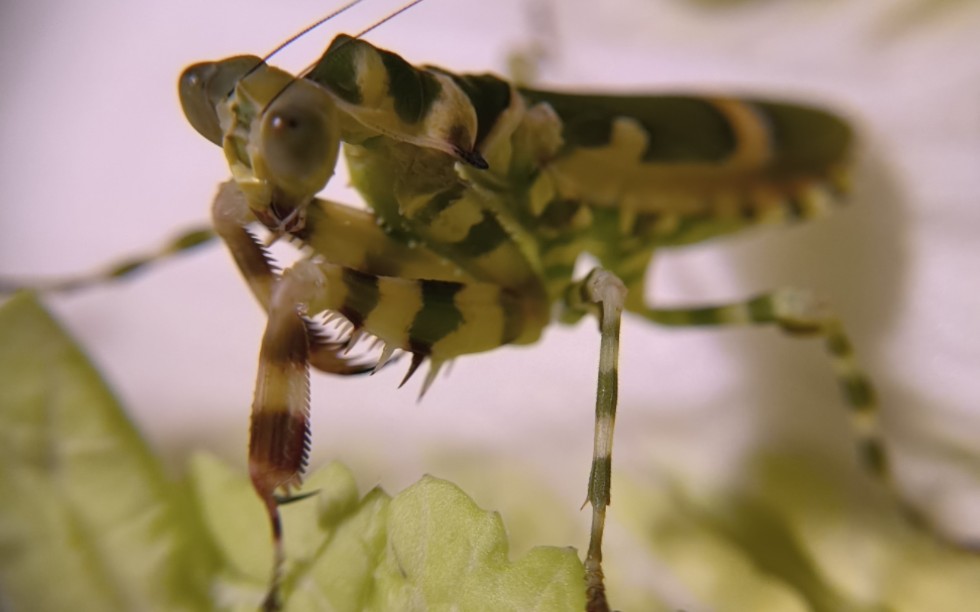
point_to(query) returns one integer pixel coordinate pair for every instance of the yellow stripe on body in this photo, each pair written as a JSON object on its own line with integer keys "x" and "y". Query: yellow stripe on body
{"x": 753, "y": 147}
{"x": 454, "y": 222}
{"x": 616, "y": 173}
{"x": 351, "y": 237}
{"x": 483, "y": 323}
{"x": 505, "y": 265}
{"x": 399, "y": 301}
{"x": 333, "y": 292}
{"x": 448, "y": 124}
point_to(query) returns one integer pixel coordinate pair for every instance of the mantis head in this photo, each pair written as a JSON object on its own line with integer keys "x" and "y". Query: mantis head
{"x": 280, "y": 134}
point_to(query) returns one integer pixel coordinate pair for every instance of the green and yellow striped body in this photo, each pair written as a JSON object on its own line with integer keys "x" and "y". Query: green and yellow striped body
{"x": 613, "y": 176}
{"x": 482, "y": 199}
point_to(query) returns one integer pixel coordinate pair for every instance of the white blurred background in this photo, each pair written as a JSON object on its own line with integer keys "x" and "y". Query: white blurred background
{"x": 97, "y": 163}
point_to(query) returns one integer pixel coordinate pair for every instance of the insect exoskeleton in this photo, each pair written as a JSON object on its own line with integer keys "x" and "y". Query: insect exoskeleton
{"x": 482, "y": 197}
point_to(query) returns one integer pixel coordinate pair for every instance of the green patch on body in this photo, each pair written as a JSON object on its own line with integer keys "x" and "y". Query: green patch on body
{"x": 412, "y": 90}
{"x": 680, "y": 129}
{"x": 337, "y": 69}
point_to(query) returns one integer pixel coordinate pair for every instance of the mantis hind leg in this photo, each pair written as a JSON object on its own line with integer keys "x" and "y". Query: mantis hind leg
{"x": 800, "y": 313}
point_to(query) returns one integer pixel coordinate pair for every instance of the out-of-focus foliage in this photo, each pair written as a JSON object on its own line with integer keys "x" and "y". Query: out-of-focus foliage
{"x": 909, "y": 11}
{"x": 804, "y": 539}
{"x": 89, "y": 521}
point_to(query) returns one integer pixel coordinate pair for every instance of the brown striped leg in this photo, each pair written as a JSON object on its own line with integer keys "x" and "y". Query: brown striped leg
{"x": 231, "y": 217}
{"x": 279, "y": 435}
{"x": 800, "y": 313}
{"x": 601, "y": 292}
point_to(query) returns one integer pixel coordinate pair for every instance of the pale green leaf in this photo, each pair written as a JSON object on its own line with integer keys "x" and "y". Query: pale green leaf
{"x": 429, "y": 548}
{"x": 445, "y": 553}
{"x": 804, "y": 541}
{"x": 88, "y": 520}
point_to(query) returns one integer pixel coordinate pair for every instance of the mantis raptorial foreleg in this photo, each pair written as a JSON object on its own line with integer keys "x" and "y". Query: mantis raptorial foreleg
{"x": 279, "y": 429}
{"x": 425, "y": 316}
{"x": 231, "y": 218}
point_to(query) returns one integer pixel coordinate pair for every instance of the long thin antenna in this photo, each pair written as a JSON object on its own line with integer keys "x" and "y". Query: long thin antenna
{"x": 299, "y": 34}
{"x": 357, "y": 36}
{"x": 320, "y": 22}
{"x": 387, "y": 18}
{"x": 314, "y": 26}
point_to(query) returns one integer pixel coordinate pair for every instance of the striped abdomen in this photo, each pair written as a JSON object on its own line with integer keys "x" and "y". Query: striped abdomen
{"x": 682, "y": 169}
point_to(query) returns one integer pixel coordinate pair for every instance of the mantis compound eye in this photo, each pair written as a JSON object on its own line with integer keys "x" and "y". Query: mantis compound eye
{"x": 299, "y": 139}
{"x": 204, "y": 86}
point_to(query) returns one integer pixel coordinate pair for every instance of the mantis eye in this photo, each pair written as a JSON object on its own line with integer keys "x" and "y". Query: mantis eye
{"x": 203, "y": 87}
{"x": 194, "y": 100}
{"x": 300, "y": 139}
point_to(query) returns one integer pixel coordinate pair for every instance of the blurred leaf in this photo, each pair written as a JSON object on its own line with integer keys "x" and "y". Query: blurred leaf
{"x": 446, "y": 553}
{"x": 805, "y": 541}
{"x": 713, "y": 4}
{"x": 89, "y": 522}
{"x": 912, "y": 16}
{"x": 428, "y": 548}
